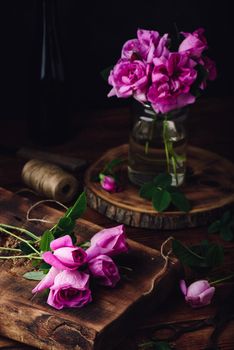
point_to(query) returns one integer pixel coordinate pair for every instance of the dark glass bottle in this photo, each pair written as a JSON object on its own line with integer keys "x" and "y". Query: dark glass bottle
{"x": 48, "y": 113}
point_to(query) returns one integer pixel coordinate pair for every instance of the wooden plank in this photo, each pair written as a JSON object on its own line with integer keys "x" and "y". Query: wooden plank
{"x": 99, "y": 325}
{"x": 209, "y": 187}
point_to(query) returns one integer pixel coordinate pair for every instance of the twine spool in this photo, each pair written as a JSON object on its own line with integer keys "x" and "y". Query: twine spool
{"x": 49, "y": 180}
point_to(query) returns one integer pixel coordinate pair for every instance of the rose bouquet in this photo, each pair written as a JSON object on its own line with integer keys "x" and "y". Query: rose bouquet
{"x": 152, "y": 72}
{"x": 165, "y": 74}
{"x": 64, "y": 268}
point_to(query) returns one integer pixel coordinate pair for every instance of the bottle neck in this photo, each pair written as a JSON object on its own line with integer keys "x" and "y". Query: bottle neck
{"x": 51, "y": 58}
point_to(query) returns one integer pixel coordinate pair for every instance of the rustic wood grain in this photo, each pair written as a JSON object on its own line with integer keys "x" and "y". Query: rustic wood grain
{"x": 99, "y": 325}
{"x": 209, "y": 187}
{"x": 210, "y": 126}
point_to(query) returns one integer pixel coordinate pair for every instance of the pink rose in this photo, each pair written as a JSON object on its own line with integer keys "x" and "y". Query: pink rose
{"x": 152, "y": 45}
{"x": 147, "y": 46}
{"x": 210, "y": 67}
{"x": 131, "y": 50}
{"x": 47, "y": 281}
{"x": 110, "y": 241}
{"x": 198, "y": 294}
{"x": 172, "y": 78}
{"x": 70, "y": 289}
{"x": 129, "y": 79}
{"x": 66, "y": 256}
{"x": 104, "y": 270}
{"x": 194, "y": 43}
{"x": 108, "y": 183}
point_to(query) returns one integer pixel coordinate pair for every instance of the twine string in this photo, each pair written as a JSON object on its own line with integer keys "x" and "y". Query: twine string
{"x": 166, "y": 258}
{"x": 25, "y": 189}
{"x": 40, "y": 203}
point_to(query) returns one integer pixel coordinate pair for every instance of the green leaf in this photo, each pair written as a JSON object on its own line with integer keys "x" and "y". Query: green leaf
{"x": 65, "y": 226}
{"x": 25, "y": 248}
{"x": 163, "y": 180}
{"x": 46, "y": 238}
{"x": 226, "y": 217}
{"x": 215, "y": 255}
{"x": 201, "y": 75}
{"x": 112, "y": 164}
{"x": 146, "y": 190}
{"x": 180, "y": 201}
{"x": 36, "y": 263}
{"x": 161, "y": 199}
{"x": 44, "y": 266}
{"x": 226, "y": 233}
{"x": 214, "y": 227}
{"x": 161, "y": 345}
{"x": 85, "y": 245}
{"x": 155, "y": 345}
{"x": 78, "y": 208}
{"x": 34, "y": 275}
{"x": 186, "y": 255}
{"x": 106, "y": 72}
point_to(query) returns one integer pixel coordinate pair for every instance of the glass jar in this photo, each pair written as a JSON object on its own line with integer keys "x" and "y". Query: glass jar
{"x": 157, "y": 145}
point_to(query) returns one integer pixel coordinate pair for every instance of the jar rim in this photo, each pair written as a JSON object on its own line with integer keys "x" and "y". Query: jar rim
{"x": 179, "y": 114}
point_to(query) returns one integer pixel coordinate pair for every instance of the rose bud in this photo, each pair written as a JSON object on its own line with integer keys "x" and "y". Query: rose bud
{"x": 110, "y": 241}
{"x": 104, "y": 270}
{"x": 66, "y": 256}
{"x": 198, "y": 294}
{"x": 108, "y": 183}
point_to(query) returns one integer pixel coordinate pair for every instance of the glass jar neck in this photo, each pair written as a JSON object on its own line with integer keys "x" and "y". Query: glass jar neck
{"x": 178, "y": 115}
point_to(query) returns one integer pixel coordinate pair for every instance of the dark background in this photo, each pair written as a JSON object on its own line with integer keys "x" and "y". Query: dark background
{"x": 92, "y": 34}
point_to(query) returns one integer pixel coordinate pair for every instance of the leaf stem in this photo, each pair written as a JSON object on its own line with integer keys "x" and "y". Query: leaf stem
{"x": 11, "y": 249}
{"x": 23, "y": 230}
{"x": 174, "y": 169}
{"x": 147, "y": 147}
{"x": 146, "y": 344}
{"x": 192, "y": 252}
{"x": 165, "y": 140}
{"x": 20, "y": 239}
{"x": 29, "y": 256}
{"x": 222, "y": 279}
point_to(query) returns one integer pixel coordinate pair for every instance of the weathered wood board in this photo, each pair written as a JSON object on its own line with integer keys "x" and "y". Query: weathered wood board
{"x": 209, "y": 187}
{"x": 99, "y": 325}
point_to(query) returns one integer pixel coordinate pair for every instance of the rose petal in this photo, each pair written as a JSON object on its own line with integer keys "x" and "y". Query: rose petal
{"x": 64, "y": 241}
{"x": 47, "y": 281}
{"x": 52, "y": 260}
{"x": 183, "y": 287}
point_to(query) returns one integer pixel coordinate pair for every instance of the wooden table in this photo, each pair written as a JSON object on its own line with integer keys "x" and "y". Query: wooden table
{"x": 210, "y": 127}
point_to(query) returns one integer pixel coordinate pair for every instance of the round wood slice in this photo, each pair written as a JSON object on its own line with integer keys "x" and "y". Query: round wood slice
{"x": 208, "y": 186}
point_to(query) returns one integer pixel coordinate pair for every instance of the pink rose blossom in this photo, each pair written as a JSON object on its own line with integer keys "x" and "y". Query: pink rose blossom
{"x": 70, "y": 289}
{"x": 129, "y": 79}
{"x": 110, "y": 241}
{"x": 172, "y": 78}
{"x": 210, "y": 66}
{"x": 66, "y": 256}
{"x": 152, "y": 45}
{"x": 108, "y": 183}
{"x": 131, "y": 50}
{"x": 104, "y": 270}
{"x": 194, "y": 43}
{"x": 148, "y": 45}
{"x": 47, "y": 281}
{"x": 198, "y": 294}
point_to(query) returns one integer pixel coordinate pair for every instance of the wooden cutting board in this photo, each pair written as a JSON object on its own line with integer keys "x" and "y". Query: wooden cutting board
{"x": 101, "y": 324}
{"x": 209, "y": 187}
